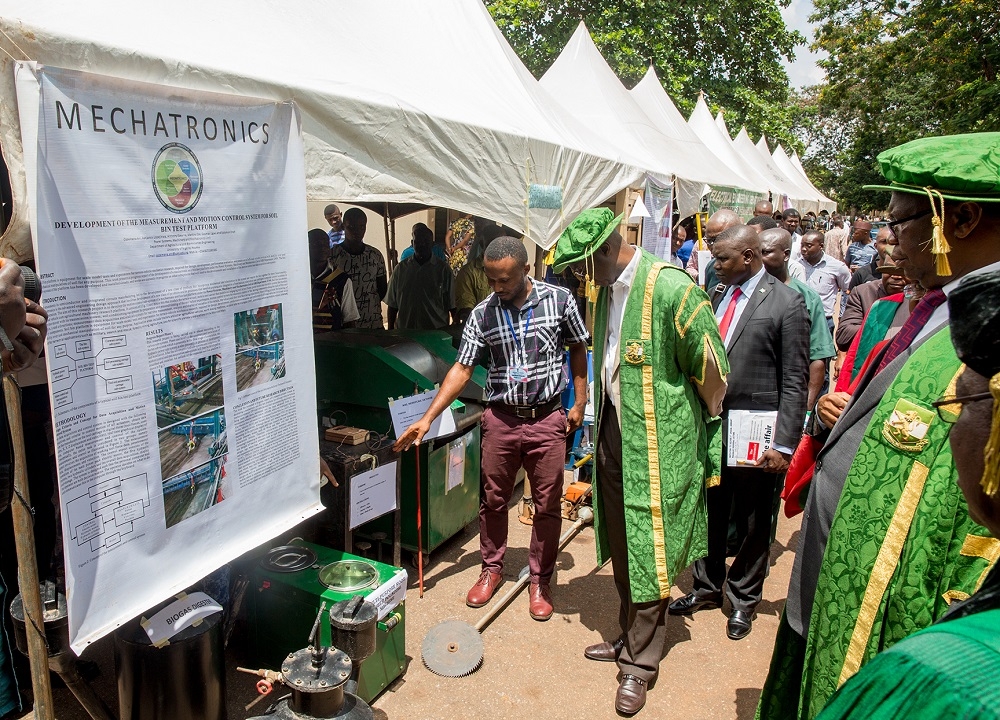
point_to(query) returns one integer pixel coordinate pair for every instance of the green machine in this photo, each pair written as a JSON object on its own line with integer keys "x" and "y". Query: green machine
{"x": 357, "y": 372}
{"x": 289, "y": 584}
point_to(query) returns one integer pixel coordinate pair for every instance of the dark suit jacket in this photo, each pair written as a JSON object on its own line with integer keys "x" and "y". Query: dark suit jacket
{"x": 769, "y": 357}
{"x": 859, "y": 302}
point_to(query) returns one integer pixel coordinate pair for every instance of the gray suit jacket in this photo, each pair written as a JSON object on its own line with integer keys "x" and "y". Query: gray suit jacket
{"x": 769, "y": 358}
{"x": 832, "y": 466}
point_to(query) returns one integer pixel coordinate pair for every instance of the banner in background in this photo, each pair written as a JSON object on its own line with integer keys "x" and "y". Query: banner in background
{"x": 169, "y": 235}
{"x": 658, "y": 200}
{"x": 739, "y": 201}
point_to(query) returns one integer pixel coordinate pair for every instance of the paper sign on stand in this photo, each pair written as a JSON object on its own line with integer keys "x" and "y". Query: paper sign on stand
{"x": 373, "y": 494}
{"x": 751, "y": 433}
{"x": 407, "y": 410}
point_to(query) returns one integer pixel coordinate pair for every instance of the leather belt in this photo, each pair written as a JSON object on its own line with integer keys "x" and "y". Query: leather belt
{"x": 527, "y": 412}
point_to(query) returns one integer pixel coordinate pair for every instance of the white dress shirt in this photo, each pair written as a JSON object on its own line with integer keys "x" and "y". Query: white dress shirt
{"x": 941, "y": 314}
{"x": 747, "y": 287}
{"x": 617, "y": 297}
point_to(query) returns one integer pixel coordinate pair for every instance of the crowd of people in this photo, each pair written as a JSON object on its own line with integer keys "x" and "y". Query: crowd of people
{"x": 849, "y": 332}
{"x": 870, "y": 345}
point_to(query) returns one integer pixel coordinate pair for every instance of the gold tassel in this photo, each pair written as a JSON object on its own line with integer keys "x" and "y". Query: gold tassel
{"x": 939, "y": 243}
{"x": 591, "y": 287}
{"x": 990, "y": 481}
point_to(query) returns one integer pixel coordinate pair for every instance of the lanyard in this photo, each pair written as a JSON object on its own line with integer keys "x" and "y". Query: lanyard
{"x": 513, "y": 330}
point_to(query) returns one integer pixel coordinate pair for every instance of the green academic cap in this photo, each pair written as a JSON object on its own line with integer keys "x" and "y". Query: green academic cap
{"x": 955, "y": 167}
{"x": 951, "y": 167}
{"x": 583, "y": 236}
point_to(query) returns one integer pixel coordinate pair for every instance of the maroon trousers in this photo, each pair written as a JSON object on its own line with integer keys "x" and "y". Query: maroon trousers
{"x": 539, "y": 445}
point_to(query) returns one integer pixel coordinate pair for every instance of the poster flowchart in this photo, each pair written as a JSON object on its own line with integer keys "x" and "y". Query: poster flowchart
{"x": 69, "y": 366}
{"x": 108, "y": 511}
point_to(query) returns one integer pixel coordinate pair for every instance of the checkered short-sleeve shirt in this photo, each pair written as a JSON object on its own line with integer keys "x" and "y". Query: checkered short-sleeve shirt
{"x": 553, "y": 321}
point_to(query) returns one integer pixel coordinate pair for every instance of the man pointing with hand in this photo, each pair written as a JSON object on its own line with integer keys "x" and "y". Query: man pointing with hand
{"x": 521, "y": 330}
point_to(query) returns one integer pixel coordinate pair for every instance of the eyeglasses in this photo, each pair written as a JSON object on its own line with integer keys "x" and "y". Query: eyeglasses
{"x": 894, "y": 224}
{"x": 946, "y": 409}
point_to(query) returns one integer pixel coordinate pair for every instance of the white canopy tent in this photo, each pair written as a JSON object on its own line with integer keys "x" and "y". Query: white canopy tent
{"x": 809, "y": 197}
{"x": 785, "y": 164}
{"x": 654, "y": 101}
{"x": 581, "y": 81}
{"x": 721, "y": 145}
{"x": 400, "y": 101}
{"x": 799, "y": 198}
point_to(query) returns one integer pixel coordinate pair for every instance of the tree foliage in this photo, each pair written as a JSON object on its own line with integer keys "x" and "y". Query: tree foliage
{"x": 730, "y": 49}
{"x": 897, "y": 70}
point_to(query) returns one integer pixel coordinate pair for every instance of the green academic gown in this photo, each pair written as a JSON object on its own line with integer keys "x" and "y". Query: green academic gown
{"x": 901, "y": 546}
{"x": 671, "y": 448}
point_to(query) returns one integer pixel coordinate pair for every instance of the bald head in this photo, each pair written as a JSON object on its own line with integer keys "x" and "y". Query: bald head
{"x": 737, "y": 254}
{"x": 775, "y": 249}
{"x": 778, "y": 237}
{"x": 722, "y": 220}
{"x": 763, "y": 208}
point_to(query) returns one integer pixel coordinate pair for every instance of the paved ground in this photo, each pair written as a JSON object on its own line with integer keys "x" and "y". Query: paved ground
{"x": 538, "y": 669}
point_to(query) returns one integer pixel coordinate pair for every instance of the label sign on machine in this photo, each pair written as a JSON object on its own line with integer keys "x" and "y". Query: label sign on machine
{"x": 185, "y": 611}
{"x": 373, "y": 494}
{"x": 407, "y": 410}
{"x": 389, "y": 594}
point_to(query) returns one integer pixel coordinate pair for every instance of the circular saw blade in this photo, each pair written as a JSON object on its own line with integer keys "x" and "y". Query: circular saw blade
{"x": 452, "y": 648}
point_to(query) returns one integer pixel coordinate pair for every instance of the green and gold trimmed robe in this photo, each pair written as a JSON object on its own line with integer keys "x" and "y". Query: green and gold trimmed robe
{"x": 902, "y": 545}
{"x": 671, "y": 448}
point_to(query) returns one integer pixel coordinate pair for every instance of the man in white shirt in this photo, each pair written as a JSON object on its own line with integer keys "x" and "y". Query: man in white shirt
{"x": 824, "y": 274}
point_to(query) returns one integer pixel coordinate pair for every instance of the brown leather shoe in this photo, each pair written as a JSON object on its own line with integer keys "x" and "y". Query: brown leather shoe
{"x": 540, "y": 601}
{"x": 484, "y": 588}
{"x": 605, "y": 651}
{"x": 631, "y": 695}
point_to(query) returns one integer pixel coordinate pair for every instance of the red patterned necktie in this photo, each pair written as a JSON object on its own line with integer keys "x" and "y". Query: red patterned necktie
{"x": 913, "y": 325}
{"x": 727, "y": 317}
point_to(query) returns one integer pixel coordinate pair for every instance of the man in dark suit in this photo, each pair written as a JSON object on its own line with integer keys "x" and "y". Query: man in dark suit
{"x": 765, "y": 326}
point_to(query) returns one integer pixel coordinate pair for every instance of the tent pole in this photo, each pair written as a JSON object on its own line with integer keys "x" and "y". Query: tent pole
{"x": 389, "y": 241}
{"x": 27, "y": 563}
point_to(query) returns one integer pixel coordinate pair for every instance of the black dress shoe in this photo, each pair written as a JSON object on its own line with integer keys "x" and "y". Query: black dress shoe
{"x": 739, "y": 625}
{"x": 605, "y": 651}
{"x": 691, "y": 603}
{"x": 631, "y": 695}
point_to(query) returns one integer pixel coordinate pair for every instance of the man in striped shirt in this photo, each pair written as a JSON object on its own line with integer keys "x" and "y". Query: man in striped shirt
{"x": 520, "y": 330}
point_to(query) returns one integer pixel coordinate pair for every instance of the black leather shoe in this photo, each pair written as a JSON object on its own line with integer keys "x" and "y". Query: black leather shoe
{"x": 605, "y": 651}
{"x": 691, "y": 603}
{"x": 740, "y": 624}
{"x": 631, "y": 695}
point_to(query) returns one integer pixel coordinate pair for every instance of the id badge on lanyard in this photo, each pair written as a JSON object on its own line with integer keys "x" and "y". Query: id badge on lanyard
{"x": 517, "y": 371}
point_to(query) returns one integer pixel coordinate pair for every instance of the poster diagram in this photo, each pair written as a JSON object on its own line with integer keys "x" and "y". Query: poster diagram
{"x": 70, "y": 364}
{"x": 106, "y": 514}
{"x": 260, "y": 346}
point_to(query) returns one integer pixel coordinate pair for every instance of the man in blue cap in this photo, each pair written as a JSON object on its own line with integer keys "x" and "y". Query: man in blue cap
{"x": 659, "y": 380}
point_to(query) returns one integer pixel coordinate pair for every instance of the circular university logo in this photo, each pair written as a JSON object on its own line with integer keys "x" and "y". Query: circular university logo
{"x": 176, "y": 177}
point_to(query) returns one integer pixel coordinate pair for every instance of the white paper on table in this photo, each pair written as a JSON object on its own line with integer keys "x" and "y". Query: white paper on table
{"x": 373, "y": 494}
{"x": 406, "y": 411}
{"x": 751, "y": 432}
{"x": 456, "y": 465}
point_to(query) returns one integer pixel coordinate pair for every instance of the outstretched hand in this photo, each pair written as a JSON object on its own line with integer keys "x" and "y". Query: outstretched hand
{"x": 412, "y": 436}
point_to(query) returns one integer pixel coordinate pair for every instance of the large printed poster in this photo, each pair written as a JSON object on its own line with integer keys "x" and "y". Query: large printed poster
{"x": 169, "y": 236}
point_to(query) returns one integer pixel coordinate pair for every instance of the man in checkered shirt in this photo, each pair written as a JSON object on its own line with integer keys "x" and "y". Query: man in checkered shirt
{"x": 520, "y": 331}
